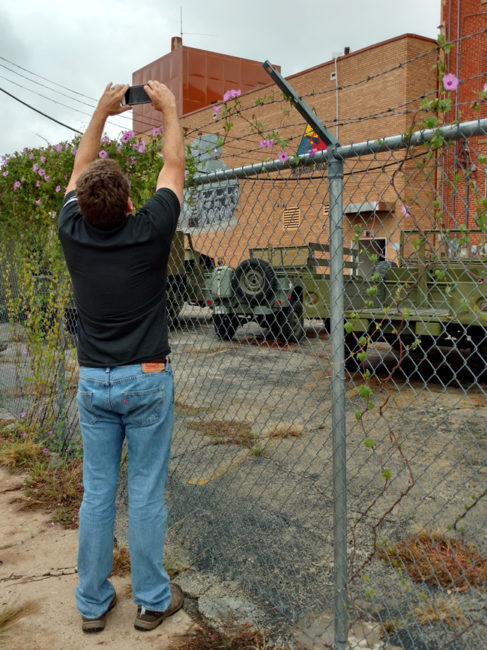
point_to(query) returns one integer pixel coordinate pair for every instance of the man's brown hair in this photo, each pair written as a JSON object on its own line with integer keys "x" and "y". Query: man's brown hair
{"x": 103, "y": 190}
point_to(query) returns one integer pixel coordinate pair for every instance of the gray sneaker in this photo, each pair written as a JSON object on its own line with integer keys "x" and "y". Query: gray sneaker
{"x": 147, "y": 619}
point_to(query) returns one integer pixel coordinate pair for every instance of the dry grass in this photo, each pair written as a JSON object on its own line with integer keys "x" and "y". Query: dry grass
{"x": 223, "y": 432}
{"x": 442, "y": 611}
{"x": 187, "y": 409}
{"x": 242, "y": 637}
{"x": 121, "y": 561}
{"x": 437, "y": 560}
{"x": 283, "y": 430}
{"x": 11, "y": 614}
{"x": 52, "y": 484}
{"x": 57, "y": 489}
{"x": 19, "y": 455}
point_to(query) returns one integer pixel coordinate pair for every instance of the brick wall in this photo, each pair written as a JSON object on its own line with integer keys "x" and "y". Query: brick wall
{"x": 377, "y": 97}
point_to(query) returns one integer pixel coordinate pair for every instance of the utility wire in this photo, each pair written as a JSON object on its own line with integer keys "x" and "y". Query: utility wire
{"x": 49, "y": 117}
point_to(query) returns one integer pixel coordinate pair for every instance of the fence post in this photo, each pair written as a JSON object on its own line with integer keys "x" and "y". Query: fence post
{"x": 335, "y": 178}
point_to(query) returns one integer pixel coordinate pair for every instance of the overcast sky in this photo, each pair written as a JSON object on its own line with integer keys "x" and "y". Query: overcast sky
{"x": 84, "y": 45}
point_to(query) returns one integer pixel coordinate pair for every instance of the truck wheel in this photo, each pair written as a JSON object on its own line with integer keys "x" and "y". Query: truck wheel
{"x": 225, "y": 326}
{"x": 352, "y": 348}
{"x": 290, "y": 323}
{"x": 254, "y": 281}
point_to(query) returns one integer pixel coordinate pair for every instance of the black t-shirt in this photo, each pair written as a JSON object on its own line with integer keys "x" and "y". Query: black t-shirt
{"x": 119, "y": 279}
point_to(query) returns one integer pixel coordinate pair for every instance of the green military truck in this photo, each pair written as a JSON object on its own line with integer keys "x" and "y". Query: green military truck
{"x": 278, "y": 287}
{"x": 437, "y": 295}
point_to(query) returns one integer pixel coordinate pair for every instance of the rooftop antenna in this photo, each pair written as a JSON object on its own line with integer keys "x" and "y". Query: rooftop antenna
{"x": 189, "y": 33}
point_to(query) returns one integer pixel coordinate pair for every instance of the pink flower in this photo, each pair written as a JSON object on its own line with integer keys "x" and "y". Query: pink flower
{"x": 75, "y": 151}
{"x": 127, "y": 135}
{"x": 140, "y": 147}
{"x": 450, "y": 82}
{"x": 16, "y": 185}
{"x": 105, "y": 139}
{"x": 58, "y": 188}
{"x": 217, "y": 110}
{"x": 282, "y": 155}
{"x": 38, "y": 183}
{"x": 5, "y": 173}
{"x": 47, "y": 178}
{"x": 24, "y": 351}
{"x": 45, "y": 451}
{"x": 405, "y": 210}
{"x": 156, "y": 130}
{"x": 41, "y": 172}
{"x": 231, "y": 94}
{"x": 43, "y": 160}
{"x": 103, "y": 153}
{"x": 484, "y": 89}
{"x": 35, "y": 167}
{"x": 37, "y": 202}
{"x": 266, "y": 144}
{"x": 59, "y": 147}
{"x": 31, "y": 155}
{"x": 22, "y": 415}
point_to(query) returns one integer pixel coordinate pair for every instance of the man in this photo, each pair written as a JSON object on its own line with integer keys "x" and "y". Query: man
{"x": 118, "y": 265}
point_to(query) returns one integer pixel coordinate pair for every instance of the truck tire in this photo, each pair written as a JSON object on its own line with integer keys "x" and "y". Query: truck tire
{"x": 254, "y": 281}
{"x": 225, "y": 326}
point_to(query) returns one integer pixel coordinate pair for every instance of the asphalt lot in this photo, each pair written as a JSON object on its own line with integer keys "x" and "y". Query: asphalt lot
{"x": 250, "y": 495}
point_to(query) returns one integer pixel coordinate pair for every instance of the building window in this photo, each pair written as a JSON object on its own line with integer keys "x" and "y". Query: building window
{"x": 291, "y": 218}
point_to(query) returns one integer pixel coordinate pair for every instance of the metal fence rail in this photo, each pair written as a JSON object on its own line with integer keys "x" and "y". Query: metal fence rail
{"x": 331, "y": 477}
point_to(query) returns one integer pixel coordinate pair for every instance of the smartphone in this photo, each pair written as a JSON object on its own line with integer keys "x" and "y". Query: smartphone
{"x": 135, "y": 95}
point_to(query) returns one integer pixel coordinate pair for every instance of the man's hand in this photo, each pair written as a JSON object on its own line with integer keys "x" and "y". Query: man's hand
{"x": 109, "y": 102}
{"x": 161, "y": 97}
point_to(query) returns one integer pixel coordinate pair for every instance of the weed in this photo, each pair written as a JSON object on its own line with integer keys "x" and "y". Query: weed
{"x": 433, "y": 558}
{"x": 56, "y": 488}
{"x": 187, "y": 409}
{"x": 121, "y": 561}
{"x": 442, "y": 610}
{"x": 241, "y": 637}
{"x": 258, "y": 450}
{"x": 283, "y": 430}
{"x": 19, "y": 455}
{"x": 224, "y": 432}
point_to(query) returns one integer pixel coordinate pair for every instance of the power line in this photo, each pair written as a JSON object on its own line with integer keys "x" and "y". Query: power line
{"x": 49, "y": 117}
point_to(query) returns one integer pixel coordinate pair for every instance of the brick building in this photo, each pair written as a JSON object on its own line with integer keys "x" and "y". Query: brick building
{"x": 465, "y": 25}
{"x": 371, "y": 93}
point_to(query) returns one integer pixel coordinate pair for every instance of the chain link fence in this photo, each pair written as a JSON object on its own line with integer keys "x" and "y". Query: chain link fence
{"x": 329, "y": 346}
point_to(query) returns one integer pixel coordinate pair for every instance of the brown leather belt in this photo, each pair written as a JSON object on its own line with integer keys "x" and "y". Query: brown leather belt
{"x": 156, "y": 365}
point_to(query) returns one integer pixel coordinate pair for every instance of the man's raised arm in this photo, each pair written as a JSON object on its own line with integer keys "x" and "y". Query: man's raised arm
{"x": 108, "y": 104}
{"x": 172, "y": 173}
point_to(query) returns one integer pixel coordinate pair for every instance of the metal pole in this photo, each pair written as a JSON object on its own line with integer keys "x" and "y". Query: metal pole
{"x": 335, "y": 177}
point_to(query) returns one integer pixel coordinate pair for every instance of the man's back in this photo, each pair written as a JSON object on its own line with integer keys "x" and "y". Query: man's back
{"x": 118, "y": 277}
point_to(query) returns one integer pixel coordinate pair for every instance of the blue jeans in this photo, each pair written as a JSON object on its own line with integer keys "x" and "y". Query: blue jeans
{"x": 118, "y": 403}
